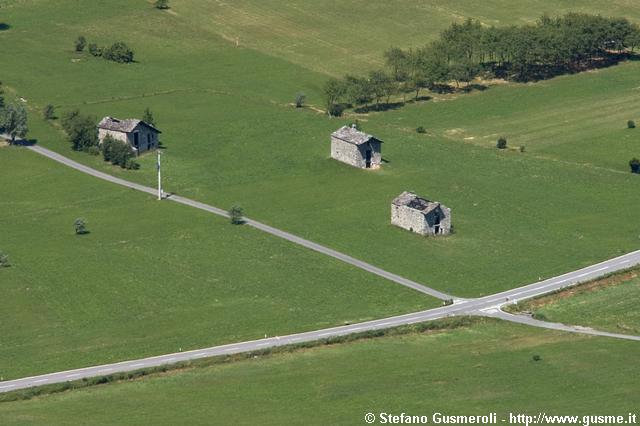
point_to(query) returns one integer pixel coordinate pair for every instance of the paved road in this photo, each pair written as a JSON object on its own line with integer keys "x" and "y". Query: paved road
{"x": 261, "y": 226}
{"x": 484, "y": 306}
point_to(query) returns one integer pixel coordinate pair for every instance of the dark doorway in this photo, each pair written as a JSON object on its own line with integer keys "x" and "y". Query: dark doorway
{"x": 436, "y": 224}
{"x": 367, "y": 159}
{"x": 136, "y": 139}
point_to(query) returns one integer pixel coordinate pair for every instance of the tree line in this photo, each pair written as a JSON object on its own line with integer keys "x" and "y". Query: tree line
{"x": 551, "y": 46}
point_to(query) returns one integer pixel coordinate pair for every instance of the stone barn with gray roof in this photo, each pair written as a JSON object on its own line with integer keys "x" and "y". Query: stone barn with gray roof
{"x": 420, "y": 215}
{"x": 139, "y": 135}
{"x": 356, "y": 148}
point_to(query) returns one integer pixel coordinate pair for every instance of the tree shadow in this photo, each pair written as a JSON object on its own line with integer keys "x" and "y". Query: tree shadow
{"x": 4, "y": 26}
{"x": 25, "y": 142}
{"x": 379, "y": 107}
{"x": 385, "y": 160}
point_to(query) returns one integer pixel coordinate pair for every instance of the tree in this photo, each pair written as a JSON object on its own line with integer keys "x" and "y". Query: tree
{"x": 300, "y": 100}
{"x": 236, "y": 215}
{"x": 80, "y": 226}
{"x": 95, "y": 50}
{"x": 14, "y": 121}
{"x": 396, "y": 59}
{"x": 80, "y": 43}
{"x": 635, "y": 165}
{"x": 1, "y": 98}
{"x": 359, "y": 90}
{"x": 502, "y": 143}
{"x": 118, "y": 52}
{"x": 631, "y": 124}
{"x": 81, "y": 130}
{"x": 147, "y": 117}
{"x": 49, "y": 112}
{"x": 334, "y": 90}
{"x": 162, "y": 4}
{"x": 382, "y": 85}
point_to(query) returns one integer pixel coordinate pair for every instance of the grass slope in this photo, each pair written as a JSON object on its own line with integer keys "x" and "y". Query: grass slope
{"x": 482, "y": 369}
{"x": 609, "y": 304}
{"x": 232, "y": 137}
{"x": 152, "y": 277}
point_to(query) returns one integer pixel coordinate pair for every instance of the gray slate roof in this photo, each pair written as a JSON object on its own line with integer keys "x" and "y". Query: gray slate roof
{"x": 411, "y": 200}
{"x": 125, "y": 126}
{"x": 353, "y": 135}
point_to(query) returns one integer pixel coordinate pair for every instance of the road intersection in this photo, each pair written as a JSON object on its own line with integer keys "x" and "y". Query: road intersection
{"x": 489, "y": 306}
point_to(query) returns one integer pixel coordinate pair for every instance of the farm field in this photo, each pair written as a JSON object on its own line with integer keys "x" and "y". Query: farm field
{"x": 486, "y": 368}
{"x": 234, "y": 137}
{"x": 152, "y": 277}
{"x": 609, "y": 304}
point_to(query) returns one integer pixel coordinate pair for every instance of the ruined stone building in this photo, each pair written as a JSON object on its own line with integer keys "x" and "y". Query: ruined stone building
{"x": 419, "y": 215}
{"x": 356, "y": 148}
{"x": 139, "y": 135}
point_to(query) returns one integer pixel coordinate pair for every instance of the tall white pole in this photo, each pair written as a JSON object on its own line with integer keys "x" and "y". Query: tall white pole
{"x": 159, "y": 178}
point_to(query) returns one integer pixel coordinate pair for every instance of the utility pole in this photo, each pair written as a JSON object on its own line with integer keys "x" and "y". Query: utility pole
{"x": 159, "y": 178}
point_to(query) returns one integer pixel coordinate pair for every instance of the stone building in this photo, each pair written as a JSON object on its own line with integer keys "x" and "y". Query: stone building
{"x": 356, "y": 148}
{"x": 419, "y": 215}
{"x": 139, "y": 135}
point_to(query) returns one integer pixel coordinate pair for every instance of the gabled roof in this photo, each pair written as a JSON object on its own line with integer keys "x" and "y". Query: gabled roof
{"x": 125, "y": 126}
{"x": 353, "y": 135}
{"x": 412, "y": 201}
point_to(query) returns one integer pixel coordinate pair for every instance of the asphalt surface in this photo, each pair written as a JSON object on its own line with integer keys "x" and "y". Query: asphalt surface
{"x": 485, "y": 306}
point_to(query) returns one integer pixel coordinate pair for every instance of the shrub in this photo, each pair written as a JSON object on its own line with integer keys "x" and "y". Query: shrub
{"x": 162, "y": 4}
{"x": 95, "y": 50}
{"x": 336, "y": 110}
{"x": 132, "y": 164}
{"x": 4, "y": 260}
{"x": 300, "y": 99}
{"x": 537, "y": 358}
{"x": 81, "y": 130}
{"x": 502, "y": 143}
{"x": 236, "y": 215}
{"x": 522, "y": 148}
{"x": 49, "y": 112}
{"x": 93, "y": 150}
{"x": 80, "y": 43}
{"x": 421, "y": 129}
{"x": 631, "y": 124}
{"x": 118, "y": 52}
{"x": 80, "y": 226}
{"x": 634, "y": 163}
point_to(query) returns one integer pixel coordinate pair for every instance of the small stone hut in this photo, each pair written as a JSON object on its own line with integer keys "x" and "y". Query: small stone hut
{"x": 139, "y": 135}
{"x": 419, "y": 215}
{"x": 356, "y": 148}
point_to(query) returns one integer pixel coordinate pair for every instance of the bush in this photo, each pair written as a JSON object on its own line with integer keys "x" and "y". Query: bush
{"x": 132, "y": 164}
{"x": 631, "y": 124}
{"x": 49, "y": 112}
{"x": 236, "y": 215}
{"x": 522, "y": 148}
{"x": 81, "y": 130}
{"x": 502, "y": 143}
{"x": 162, "y": 4}
{"x": 300, "y": 99}
{"x": 634, "y": 163}
{"x": 537, "y": 358}
{"x": 4, "y": 260}
{"x": 80, "y": 43}
{"x": 93, "y": 150}
{"x": 80, "y": 226}
{"x": 336, "y": 110}
{"x": 118, "y": 52}
{"x": 421, "y": 129}
{"x": 95, "y": 50}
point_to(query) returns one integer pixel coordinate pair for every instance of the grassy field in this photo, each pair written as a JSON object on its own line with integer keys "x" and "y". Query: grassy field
{"x": 233, "y": 137}
{"x": 152, "y": 277}
{"x": 483, "y": 369}
{"x": 608, "y": 304}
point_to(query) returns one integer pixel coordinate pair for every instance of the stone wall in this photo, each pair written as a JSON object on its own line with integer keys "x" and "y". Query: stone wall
{"x": 415, "y": 221}
{"x": 355, "y": 155}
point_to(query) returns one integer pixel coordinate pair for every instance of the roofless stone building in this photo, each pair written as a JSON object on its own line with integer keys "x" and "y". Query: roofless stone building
{"x": 141, "y": 136}
{"x": 356, "y": 148}
{"x": 419, "y": 215}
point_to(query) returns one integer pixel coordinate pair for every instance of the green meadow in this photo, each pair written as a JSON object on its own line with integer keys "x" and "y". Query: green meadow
{"x": 610, "y": 307}
{"x": 153, "y": 277}
{"x": 479, "y": 370}
{"x": 232, "y": 135}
